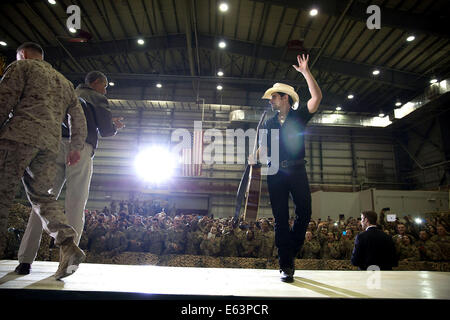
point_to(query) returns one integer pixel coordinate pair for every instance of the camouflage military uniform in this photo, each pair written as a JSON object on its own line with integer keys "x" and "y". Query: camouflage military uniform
{"x": 444, "y": 244}
{"x": 229, "y": 245}
{"x": 193, "y": 240}
{"x": 95, "y": 232}
{"x": 210, "y": 247}
{"x": 38, "y": 97}
{"x": 267, "y": 239}
{"x": 154, "y": 241}
{"x": 310, "y": 250}
{"x": 331, "y": 250}
{"x": 251, "y": 247}
{"x": 135, "y": 235}
{"x": 347, "y": 246}
{"x": 408, "y": 252}
{"x": 175, "y": 241}
{"x": 116, "y": 241}
{"x": 429, "y": 250}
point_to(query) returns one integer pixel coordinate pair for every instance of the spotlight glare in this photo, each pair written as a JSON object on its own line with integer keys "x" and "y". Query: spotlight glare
{"x": 3, "y": 43}
{"x": 418, "y": 220}
{"x": 223, "y": 7}
{"x": 52, "y": 2}
{"x": 350, "y": 96}
{"x": 338, "y": 108}
{"x": 222, "y": 44}
{"x": 313, "y": 12}
{"x": 220, "y": 73}
{"x": 376, "y": 72}
{"x": 219, "y": 87}
{"x": 159, "y": 85}
{"x": 398, "y": 104}
{"x": 140, "y": 41}
{"x": 434, "y": 80}
{"x": 155, "y": 164}
{"x": 410, "y": 38}
{"x": 111, "y": 84}
{"x": 381, "y": 115}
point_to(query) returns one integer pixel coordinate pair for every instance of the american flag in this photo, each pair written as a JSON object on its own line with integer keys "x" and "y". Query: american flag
{"x": 193, "y": 156}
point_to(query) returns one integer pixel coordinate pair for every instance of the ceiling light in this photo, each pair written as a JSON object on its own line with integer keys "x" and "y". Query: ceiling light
{"x": 434, "y": 80}
{"x": 381, "y": 115}
{"x": 313, "y": 12}
{"x": 398, "y": 104}
{"x": 222, "y": 44}
{"x": 140, "y": 41}
{"x": 111, "y": 84}
{"x": 376, "y": 72}
{"x": 338, "y": 108}
{"x": 52, "y": 2}
{"x": 3, "y": 43}
{"x": 410, "y": 38}
{"x": 219, "y": 87}
{"x": 223, "y": 7}
{"x": 159, "y": 85}
{"x": 220, "y": 73}
{"x": 73, "y": 30}
{"x": 350, "y": 96}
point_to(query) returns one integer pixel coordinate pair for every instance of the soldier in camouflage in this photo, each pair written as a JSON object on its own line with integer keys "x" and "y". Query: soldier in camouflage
{"x": 34, "y": 100}
{"x": 406, "y": 250}
{"x": 154, "y": 238}
{"x": 210, "y": 245}
{"x": 331, "y": 248}
{"x": 347, "y": 242}
{"x": 116, "y": 240}
{"x": 77, "y": 178}
{"x": 230, "y": 243}
{"x": 194, "y": 238}
{"x": 250, "y": 245}
{"x": 176, "y": 238}
{"x": 267, "y": 238}
{"x": 442, "y": 239}
{"x": 311, "y": 247}
{"x": 429, "y": 250}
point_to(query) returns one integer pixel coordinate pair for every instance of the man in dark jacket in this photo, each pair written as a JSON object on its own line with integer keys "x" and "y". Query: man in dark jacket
{"x": 373, "y": 247}
{"x": 77, "y": 178}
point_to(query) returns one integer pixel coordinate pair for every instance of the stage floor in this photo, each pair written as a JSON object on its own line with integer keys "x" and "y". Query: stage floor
{"x": 211, "y": 282}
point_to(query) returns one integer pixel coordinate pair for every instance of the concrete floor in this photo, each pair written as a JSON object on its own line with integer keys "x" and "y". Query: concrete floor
{"x": 253, "y": 283}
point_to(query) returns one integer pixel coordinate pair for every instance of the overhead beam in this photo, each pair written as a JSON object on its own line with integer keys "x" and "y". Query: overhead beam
{"x": 404, "y": 80}
{"x": 414, "y": 23}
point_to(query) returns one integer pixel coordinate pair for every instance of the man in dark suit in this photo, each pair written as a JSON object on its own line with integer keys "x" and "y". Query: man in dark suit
{"x": 373, "y": 247}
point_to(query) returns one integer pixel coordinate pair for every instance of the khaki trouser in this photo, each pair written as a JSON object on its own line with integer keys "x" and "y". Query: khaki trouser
{"x": 77, "y": 179}
{"x": 37, "y": 168}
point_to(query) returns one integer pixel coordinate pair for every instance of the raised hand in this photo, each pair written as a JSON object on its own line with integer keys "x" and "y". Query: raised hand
{"x": 302, "y": 63}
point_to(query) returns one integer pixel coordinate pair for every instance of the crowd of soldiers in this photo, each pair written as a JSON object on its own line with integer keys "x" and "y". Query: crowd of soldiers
{"x": 125, "y": 226}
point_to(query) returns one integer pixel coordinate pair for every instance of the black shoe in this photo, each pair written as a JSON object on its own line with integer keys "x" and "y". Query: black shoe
{"x": 23, "y": 268}
{"x": 287, "y": 275}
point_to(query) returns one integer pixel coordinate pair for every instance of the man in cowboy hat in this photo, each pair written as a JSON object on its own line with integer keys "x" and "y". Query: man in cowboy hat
{"x": 291, "y": 179}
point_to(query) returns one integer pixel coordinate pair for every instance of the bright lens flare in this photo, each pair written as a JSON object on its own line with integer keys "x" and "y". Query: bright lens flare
{"x": 155, "y": 164}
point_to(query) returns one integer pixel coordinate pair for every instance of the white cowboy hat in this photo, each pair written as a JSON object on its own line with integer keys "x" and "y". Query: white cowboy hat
{"x": 281, "y": 87}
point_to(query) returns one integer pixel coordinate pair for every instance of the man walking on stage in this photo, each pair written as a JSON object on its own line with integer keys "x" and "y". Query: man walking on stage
{"x": 76, "y": 178}
{"x": 291, "y": 179}
{"x": 34, "y": 99}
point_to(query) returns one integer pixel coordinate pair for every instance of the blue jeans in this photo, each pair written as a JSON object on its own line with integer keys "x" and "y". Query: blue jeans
{"x": 290, "y": 182}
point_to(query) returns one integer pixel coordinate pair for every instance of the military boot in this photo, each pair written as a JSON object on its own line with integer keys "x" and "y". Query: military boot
{"x": 70, "y": 258}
